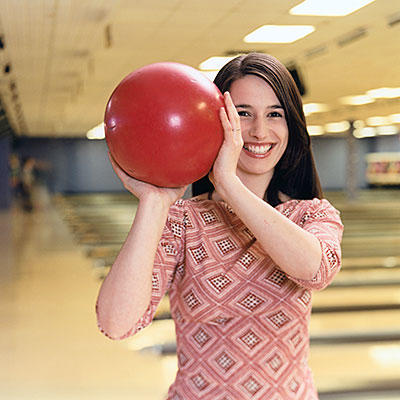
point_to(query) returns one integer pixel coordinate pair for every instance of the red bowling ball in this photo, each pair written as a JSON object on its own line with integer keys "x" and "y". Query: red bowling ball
{"x": 162, "y": 124}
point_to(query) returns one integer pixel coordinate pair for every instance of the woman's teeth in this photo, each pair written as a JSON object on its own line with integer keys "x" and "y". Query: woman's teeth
{"x": 256, "y": 149}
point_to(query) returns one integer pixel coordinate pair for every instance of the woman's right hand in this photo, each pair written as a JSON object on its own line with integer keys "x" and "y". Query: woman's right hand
{"x": 143, "y": 190}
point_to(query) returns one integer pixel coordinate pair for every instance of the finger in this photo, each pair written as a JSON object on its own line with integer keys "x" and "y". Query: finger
{"x": 233, "y": 116}
{"x": 225, "y": 123}
{"x": 118, "y": 170}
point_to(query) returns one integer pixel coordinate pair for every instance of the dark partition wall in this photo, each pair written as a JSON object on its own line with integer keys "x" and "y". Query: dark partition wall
{"x": 5, "y": 188}
{"x": 81, "y": 165}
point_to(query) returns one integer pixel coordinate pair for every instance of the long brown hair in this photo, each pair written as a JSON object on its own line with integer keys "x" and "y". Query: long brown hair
{"x": 295, "y": 174}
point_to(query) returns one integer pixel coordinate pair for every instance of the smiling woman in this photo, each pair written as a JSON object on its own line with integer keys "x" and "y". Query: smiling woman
{"x": 263, "y": 125}
{"x": 239, "y": 261}
{"x": 295, "y": 174}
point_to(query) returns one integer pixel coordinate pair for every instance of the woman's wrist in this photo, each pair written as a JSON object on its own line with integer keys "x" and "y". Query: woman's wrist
{"x": 228, "y": 187}
{"x": 155, "y": 202}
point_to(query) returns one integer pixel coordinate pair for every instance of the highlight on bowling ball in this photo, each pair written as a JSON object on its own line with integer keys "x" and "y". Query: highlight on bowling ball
{"x": 162, "y": 124}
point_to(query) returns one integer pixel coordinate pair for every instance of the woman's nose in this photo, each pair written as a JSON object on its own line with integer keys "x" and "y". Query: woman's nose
{"x": 259, "y": 129}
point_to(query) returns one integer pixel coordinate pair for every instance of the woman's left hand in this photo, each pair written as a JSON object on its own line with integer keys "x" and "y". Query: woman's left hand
{"x": 226, "y": 162}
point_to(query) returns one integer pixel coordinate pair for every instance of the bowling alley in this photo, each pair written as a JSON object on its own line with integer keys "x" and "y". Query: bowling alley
{"x": 200, "y": 200}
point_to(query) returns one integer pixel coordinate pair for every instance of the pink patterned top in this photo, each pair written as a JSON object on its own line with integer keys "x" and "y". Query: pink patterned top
{"x": 241, "y": 323}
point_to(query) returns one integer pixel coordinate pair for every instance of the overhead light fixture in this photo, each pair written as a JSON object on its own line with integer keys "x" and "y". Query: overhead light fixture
{"x": 377, "y": 121}
{"x": 387, "y": 356}
{"x": 214, "y": 63}
{"x": 311, "y": 108}
{"x": 337, "y": 127}
{"x": 357, "y": 100}
{"x": 97, "y": 132}
{"x": 384, "y": 93}
{"x": 358, "y": 124}
{"x": 361, "y": 133}
{"x": 337, "y": 8}
{"x": 394, "y": 118}
{"x": 210, "y": 74}
{"x": 387, "y": 130}
{"x": 278, "y": 33}
{"x": 315, "y": 130}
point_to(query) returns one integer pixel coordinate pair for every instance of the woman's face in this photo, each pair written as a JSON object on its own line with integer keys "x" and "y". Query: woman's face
{"x": 263, "y": 125}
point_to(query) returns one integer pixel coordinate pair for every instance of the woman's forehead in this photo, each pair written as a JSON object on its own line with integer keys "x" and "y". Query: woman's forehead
{"x": 253, "y": 89}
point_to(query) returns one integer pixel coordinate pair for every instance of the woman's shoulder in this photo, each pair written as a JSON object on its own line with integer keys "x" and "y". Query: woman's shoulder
{"x": 309, "y": 209}
{"x": 191, "y": 203}
{"x": 308, "y": 204}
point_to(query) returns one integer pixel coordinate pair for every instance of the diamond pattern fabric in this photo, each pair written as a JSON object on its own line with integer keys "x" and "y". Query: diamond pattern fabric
{"x": 241, "y": 322}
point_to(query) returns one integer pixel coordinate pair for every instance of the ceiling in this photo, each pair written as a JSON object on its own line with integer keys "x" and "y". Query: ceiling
{"x": 64, "y": 57}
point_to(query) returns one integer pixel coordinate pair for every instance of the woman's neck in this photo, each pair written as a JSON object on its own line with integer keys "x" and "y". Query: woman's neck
{"x": 258, "y": 184}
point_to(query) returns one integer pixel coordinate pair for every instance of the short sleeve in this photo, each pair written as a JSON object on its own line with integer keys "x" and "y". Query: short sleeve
{"x": 323, "y": 221}
{"x": 169, "y": 255}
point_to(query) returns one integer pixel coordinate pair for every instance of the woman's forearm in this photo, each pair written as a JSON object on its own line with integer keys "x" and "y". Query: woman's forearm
{"x": 296, "y": 251}
{"x": 125, "y": 293}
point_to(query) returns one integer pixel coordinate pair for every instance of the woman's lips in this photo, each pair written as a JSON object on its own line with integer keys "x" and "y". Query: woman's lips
{"x": 260, "y": 150}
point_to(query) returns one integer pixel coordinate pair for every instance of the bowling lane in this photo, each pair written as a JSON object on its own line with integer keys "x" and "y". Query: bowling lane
{"x": 355, "y": 324}
{"x": 338, "y": 297}
{"x": 356, "y": 367}
{"x": 365, "y": 326}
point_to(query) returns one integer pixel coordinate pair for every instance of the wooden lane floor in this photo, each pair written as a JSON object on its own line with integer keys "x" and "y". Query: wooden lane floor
{"x": 355, "y": 324}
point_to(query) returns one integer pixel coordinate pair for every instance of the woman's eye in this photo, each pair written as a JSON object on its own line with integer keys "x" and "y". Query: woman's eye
{"x": 275, "y": 114}
{"x": 243, "y": 114}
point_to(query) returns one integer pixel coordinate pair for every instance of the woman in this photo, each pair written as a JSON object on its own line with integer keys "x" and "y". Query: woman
{"x": 239, "y": 262}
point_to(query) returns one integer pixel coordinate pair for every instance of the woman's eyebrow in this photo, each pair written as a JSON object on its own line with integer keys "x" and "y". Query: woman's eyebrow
{"x": 273, "y": 106}
{"x": 243, "y": 105}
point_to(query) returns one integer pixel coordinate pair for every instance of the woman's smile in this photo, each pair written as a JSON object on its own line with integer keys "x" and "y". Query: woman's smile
{"x": 258, "y": 150}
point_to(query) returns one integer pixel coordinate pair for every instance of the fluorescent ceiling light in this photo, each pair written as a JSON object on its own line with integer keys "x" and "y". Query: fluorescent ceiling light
{"x": 384, "y": 93}
{"x": 332, "y": 8}
{"x": 394, "y": 118}
{"x": 315, "y": 130}
{"x": 210, "y": 74}
{"x": 386, "y": 356}
{"x": 387, "y": 130}
{"x": 364, "y": 132}
{"x": 278, "y": 33}
{"x": 214, "y": 63}
{"x": 336, "y": 127}
{"x": 357, "y": 100}
{"x": 358, "y": 124}
{"x": 311, "y": 108}
{"x": 377, "y": 121}
{"x": 97, "y": 132}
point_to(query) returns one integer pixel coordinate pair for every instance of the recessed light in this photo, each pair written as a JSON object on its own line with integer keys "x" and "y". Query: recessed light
{"x": 311, "y": 108}
{"x": 214, "y": 63}
{"x": 315, "y": 130}
{"x": 210, "y": 74}
{"x": 278, "y": 33}
{"x": 336, "y": 8}
{"x": 337, "y": 127}
{"x": 387, "y": 130}
{"x": 394, "y": 118}
{"x": 384, "y": 93}
{"x": 364, "y": 132}
{"x": 97, "y": 132}
{"x": 377, "y": 121}
{"x": 357, "y": 100}
{"x": 358, "y": 124}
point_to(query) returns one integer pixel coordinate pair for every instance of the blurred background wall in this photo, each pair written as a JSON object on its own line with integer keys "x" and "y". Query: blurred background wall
{"x": 81, "y": 165}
